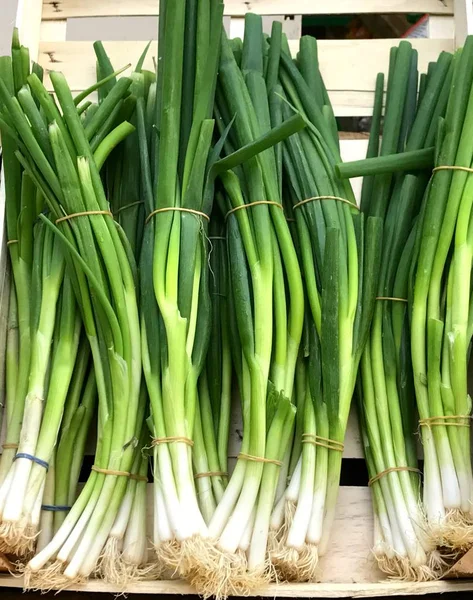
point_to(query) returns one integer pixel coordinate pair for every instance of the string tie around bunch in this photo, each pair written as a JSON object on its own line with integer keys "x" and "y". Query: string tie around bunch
{"x": 110, "y": 472}
{"x": 392, "y": 299}
{"x": 251, "y": 204}
{"x": 260, "y": 459}
{"x": 191, "y": 211}
{"x": 446, "y": 421}
{"x": 55, "y": 508}
{"x": 142, "y": 478}
{"x": 317, "y": 440}
{"x": 392, "y": 470}
{"x": 211, "y": 474}
{"x": 35, "y": 459}
{"x": 128, "y": 206}
{"x": 317, "y": 198}
{"x": 172, "y": 439}
{"x": 452, "y": 168}
{"x": 85, "y": 213}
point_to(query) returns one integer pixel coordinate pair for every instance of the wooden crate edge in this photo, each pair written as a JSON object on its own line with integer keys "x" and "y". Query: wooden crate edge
{"x": 287, "y": 590}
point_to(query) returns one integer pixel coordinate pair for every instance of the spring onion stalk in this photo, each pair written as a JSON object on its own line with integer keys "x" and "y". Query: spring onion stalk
{"x": 266, "y": 288}
{"x": 124, "y": 558}
{"x": 174, "y": 269}
{"x": 53, "y": 308}
{"x": 61, "y": 481}
{"x": 20, "y": 198}
{"x": 102, "y": 277}
{"x": 339, "y": 252}
{"x": 403, "y": 546}
{"x": 413, "y": 160}
{"x": 215, "y": 387}
{"x": 441, "y": 319}
{"x": 122, "y": 173}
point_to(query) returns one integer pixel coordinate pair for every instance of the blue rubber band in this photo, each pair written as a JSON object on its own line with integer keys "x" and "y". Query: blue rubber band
{"x": 35, "y": 459}
{"x": 55, "y": 508}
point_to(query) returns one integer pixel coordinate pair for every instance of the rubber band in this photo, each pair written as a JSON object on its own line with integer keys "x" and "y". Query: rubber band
{"x": 127, "y": 206}
{"x": 35, "y": 459}
{"x": 139, "y": 477}
{"x": 110, "y": 472}
{"x": 447, "y": 421}
{"x": 290, "y": 220}
{"x": 55, "y": 508}
{"x": 217, "y": 237}
{"x": 391, "y": 470}
{"x": 251, "y": 204}
{"x": 171, "y": 440}
{"x": 452, "y": 168}
{"x": 302, "y": 202}
{"x": 10, "y": 446}
{"x": 198, "y": 213}
{"x": 317, "y": 440}
{"x": 393, "y": 299}
{"x": 10, "y": 242}
{"x": 211, "y": 474}
{"x": 259, "y": 459}
{"x": 83, "y": 214}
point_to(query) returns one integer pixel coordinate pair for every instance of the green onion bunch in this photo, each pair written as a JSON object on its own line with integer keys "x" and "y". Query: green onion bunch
{"x": 43, "y": 299}
{"x": 266, "y": 310}
{"x": 125, "y": 557}
{"x": 56, "y": 152}
{"x": 213, "y": 411}
{"x": 339, "y": 251}
{"x": 23, "y": 201}
{"x": 175, "y": 138}
{"x": 386, "y": 406}
{"x": 65, "y": 465}
{"x": 441, "y": 326}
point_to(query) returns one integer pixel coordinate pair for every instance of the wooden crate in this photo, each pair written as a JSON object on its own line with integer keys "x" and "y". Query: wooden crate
{"x": 349, "y": 68}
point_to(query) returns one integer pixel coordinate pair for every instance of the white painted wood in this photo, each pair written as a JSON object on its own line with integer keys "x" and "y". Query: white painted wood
{"x": 7, "y": 22}
{"x": 63, "y": 9}
{"x": 463, "y": 21}
{"x": 292, "y": 26}
{"x": 53, "y": 31}
{"x": 282, "y": 590}
{"x": 441, "y": 27}
{"x": 237, "y": 27}
{"x": 349, "y": 67}
{"x": 354, "y": 150}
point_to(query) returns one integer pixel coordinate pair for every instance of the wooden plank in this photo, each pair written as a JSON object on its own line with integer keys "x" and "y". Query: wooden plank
{"x": 463, "y": 21}
{"x": 343, "y": 573}
{"x": 281, "y": 590}
{"x": 354, "y": 149}
{"x": 441, "y": 27}
{"x": 63, "y": 9}
{"x": 53, "y": 31}
{"x": 349, "y": 67}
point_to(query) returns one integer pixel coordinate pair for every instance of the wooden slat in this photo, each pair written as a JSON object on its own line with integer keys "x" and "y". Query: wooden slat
{"x": 441, "y": 27}
{"x": 63, "y": 9}
{"x": 349, "y": 67}
{"x": 283, "y": 590}
{"x": 463, "y": 21}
